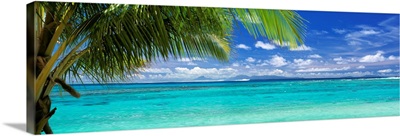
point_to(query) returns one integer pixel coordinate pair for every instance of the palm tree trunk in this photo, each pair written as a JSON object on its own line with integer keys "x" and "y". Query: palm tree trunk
{"x": 42, "y": 115}
{"x": 43, "y": 105}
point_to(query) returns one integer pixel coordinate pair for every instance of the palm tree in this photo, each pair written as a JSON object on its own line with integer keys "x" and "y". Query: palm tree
{"x": 108, "y": 41}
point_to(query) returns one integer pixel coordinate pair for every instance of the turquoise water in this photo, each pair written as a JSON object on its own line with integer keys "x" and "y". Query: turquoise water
{"x": 166, "y": 105}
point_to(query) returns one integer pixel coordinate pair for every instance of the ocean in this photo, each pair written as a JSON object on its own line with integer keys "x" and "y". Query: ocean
{"x": 169, "y": 105}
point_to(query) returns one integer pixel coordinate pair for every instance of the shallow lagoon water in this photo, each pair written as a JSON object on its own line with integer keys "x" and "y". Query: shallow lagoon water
{"x": 167, "y": 105}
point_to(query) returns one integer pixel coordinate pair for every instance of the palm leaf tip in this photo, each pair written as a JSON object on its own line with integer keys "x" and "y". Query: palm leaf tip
{"x": 283, "y": 26}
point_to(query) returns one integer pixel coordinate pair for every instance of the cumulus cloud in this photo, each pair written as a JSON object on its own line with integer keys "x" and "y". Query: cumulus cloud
{"x": 242, "y": 46}
{"x": 214, "y": 73}
{"x": 181, "y": 69}
{"x": 391, "y": 57}
{"x": 264, "y": 63}
{"x": 385, "y": 71}
{"x": 301, "y": 48}
{"x": 250, "y": 59}
{"x": 264, "y": 72}
{"x": 265, "y": 46}
{"x": 373, "y": 58}
{"x": 156, "y": 76}
{"x": 338, "y": 59}
{"x": 314, "y": 56}
{"x": 235, "y": 64}
{"x": 157, "y": 70}
{"x": 276, "y": 72}
{"x": 189, "y": 59}
{"x": 323, "y": 69}
{"x": 302, "y": 62}
{"x": 341, "y": 60}
{"x": 278, "y": 61}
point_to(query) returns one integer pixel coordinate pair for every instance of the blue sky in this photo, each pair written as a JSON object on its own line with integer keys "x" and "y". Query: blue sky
{"x": 337, "y": 44}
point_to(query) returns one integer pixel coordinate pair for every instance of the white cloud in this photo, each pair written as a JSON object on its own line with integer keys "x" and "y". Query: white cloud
{"x": 366, "y": 27}
{"x": 354, "y": 43}
{"x": 157, "y": 70}
{"x": 214, "y": 73}
{"x": 235, "y": 64}
{"x": 341, "y": 60}
{"x": 242, "y": 46}
{"x": 278, "y": 61}
{"x": 265, "y": 63}
{"x": 302, "y": 48}
{"x": 338, "y": 59}
{"x": 156, "y": 76}
{"x": 263, "y": 72}
{"x": 358, "y": 73}
{"x": 192, "y": 64}
{"x": 301, "y": 62}
{"x": 361, "y": 67}
{"x": 373, "y": 58}
{"x": 180, "y": 69}
{"x": 265, "y": 46}
{"x": 247, "y": 66}
{"x": 250, "y": 59}
{"x": 368, "y": 36}
{"x": 389, "y": 22}
{"x": 140, "y": 76}
{"x": 369, "y": 32}
{"x": 391, "y": 57}
{"x": 387, "y": 32}
{"x": 339, "y": 31}
{"x": 189, "y": 59}
{"x": 323, "y": 69}
{"x": 276, "y": 72}
{"x": 184, "y": 60}
{"x": 314, "y": 56}
{"x": 385, "y": 71}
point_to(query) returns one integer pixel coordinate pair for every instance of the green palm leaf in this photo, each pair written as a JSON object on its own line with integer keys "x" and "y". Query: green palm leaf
{"x": 120, "y": 39}
{"x": 126, "y": 37}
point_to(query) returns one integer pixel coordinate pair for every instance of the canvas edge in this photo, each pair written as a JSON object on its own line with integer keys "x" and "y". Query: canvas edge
{"x": 30, "y": 65}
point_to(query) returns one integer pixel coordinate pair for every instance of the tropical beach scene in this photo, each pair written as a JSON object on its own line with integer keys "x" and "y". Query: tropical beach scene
{"x": 107, "y": 67}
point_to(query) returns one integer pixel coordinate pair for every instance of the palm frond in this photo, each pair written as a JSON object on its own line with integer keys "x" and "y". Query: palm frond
{"x": 124, "y": 38}
{"x": 278, "y": 25}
